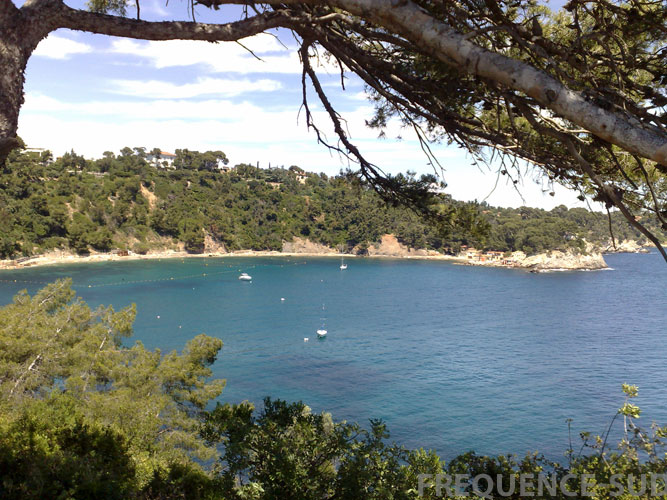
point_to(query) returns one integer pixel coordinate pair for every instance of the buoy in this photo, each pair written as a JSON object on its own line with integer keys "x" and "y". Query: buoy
{"x": 282, "y": 299}
{"x": 158, "y": 317}
{"x": 180, "y": 326}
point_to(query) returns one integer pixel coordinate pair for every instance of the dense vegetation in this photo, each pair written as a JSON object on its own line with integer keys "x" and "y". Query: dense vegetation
{"x": 123, "y": 202}
{"x": 86, "y": 415}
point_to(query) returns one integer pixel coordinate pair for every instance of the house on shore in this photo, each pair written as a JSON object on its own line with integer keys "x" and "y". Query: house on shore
{"x": 474, "y": 255}
{"x": 161, "y": 160}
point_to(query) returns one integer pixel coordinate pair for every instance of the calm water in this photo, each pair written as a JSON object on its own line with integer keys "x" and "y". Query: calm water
{"x": 452, "y": 358}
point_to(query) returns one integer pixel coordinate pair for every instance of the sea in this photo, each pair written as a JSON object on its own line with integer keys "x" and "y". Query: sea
{"x": 453, "y": 358}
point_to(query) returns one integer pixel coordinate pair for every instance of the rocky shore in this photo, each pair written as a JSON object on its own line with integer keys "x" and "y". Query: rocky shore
{"x": 562, "y": 261}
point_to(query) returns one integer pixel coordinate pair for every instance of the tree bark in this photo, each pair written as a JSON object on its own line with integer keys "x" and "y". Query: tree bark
{"x": 168, "y": 30}
{"x": 17, "y": 42}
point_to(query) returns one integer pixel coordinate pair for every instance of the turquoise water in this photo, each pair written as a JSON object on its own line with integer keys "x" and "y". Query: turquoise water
{"x": 451, "y": 357}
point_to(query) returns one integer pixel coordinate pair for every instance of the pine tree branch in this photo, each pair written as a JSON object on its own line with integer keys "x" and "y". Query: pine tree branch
{"x": 168, "y": 30}
{"x": 415, "y": 24}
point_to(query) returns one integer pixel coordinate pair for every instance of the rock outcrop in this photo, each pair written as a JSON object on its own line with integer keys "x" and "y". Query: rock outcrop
{"x": 560, "y": 261}
{"x": 389, "y": 246}
{"x": 303, "y": 245}
{"x": 625, "y": 246}
{"x": 211, "y": 245}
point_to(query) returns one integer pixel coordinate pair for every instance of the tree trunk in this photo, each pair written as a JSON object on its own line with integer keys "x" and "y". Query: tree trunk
{"x": 19, "y": 37}
{"x": 12, "y": 66}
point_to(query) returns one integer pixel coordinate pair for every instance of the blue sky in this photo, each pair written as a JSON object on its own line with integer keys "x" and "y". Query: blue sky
{"x": 94, "y": 93}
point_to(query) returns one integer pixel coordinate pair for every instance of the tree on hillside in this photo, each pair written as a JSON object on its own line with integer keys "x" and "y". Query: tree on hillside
{"x": 579, "y": 94}
{"x": 82, "y": 414}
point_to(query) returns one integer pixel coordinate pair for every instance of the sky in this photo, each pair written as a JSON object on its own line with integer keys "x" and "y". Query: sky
{"x": 94, "y": 93}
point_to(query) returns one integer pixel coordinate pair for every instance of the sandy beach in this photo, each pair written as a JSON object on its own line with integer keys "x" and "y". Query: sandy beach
{"x": 61, "y": 257}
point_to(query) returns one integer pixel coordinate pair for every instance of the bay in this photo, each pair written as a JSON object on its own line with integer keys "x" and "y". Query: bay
{"x": 453, "y": 358}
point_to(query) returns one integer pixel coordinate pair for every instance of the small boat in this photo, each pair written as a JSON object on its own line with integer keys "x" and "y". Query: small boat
{"x": 245, "y": 277}
{"x": 321, "y": 333}
{"x": 343, "y": 265}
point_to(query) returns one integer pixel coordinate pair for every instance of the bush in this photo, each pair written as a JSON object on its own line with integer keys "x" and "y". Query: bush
{"x": 141, "y": 248}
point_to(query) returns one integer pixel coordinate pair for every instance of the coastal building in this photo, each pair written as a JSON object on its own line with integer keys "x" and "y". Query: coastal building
{"x": 494, "y": 255}
{"x": 473, "y": 254}
{"x": 44, "y": 154}
{"x": 301, "y": 177}
{"x": 161, "y": 160}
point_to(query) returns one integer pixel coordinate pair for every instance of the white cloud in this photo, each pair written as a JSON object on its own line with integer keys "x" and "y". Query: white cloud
{"x": 121, "y": 111}
{"x": 58, "y": 47}
{"x": 245, "y": 130}
{"x": 223, "y": 57}
{"x": 250, "y": 133}
{"x": 204, "y": 86}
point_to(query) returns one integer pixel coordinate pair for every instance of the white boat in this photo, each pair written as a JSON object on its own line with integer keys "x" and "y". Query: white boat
{"x": 343, "y": 265}
{"x": 322, "y": 332}
{"x": 245, "y": 277}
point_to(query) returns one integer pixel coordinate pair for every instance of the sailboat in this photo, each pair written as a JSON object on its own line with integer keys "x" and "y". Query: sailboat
{"x": 321, "y": 333}
{"x": 343, "y": 265}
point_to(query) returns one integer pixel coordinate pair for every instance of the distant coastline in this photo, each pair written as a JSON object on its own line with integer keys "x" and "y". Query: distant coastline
{"x": 552, "y": 261}
{"x": 387, "y": 247}
{"x": 61, "y": 257}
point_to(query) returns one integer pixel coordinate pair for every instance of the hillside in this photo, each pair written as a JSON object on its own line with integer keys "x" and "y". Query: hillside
{"x": 123, "y": 202}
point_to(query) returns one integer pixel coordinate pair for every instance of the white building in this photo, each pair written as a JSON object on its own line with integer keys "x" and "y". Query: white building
{"x": 162, "y": 160}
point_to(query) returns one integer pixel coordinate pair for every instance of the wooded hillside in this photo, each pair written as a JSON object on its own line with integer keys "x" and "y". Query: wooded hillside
{"x": 124, "y": 202}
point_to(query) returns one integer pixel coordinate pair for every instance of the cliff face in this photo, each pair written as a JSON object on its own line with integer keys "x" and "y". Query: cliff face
{"x": 389, "y": 246}
{"x": 625, "y": 246}
{"x": 303, "y": 245}
{"x": 560, "y": 261}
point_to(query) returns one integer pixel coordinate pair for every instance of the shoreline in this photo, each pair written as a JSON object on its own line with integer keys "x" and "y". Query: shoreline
{"x": 63, "y": 258}
{"x": 60, "y": 258}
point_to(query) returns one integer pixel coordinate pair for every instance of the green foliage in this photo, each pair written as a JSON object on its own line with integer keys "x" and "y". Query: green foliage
{"x": 57, "y": 355}
{"x": 209, "y": 161}
{"x": 52, "y": 452}
{"x": 141, "y": 248}
{"x": 102, "y": 205}
{"x": 104, "y": 6}
{"x": 286, "y": 451}
{"x": 533, "y": 230}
